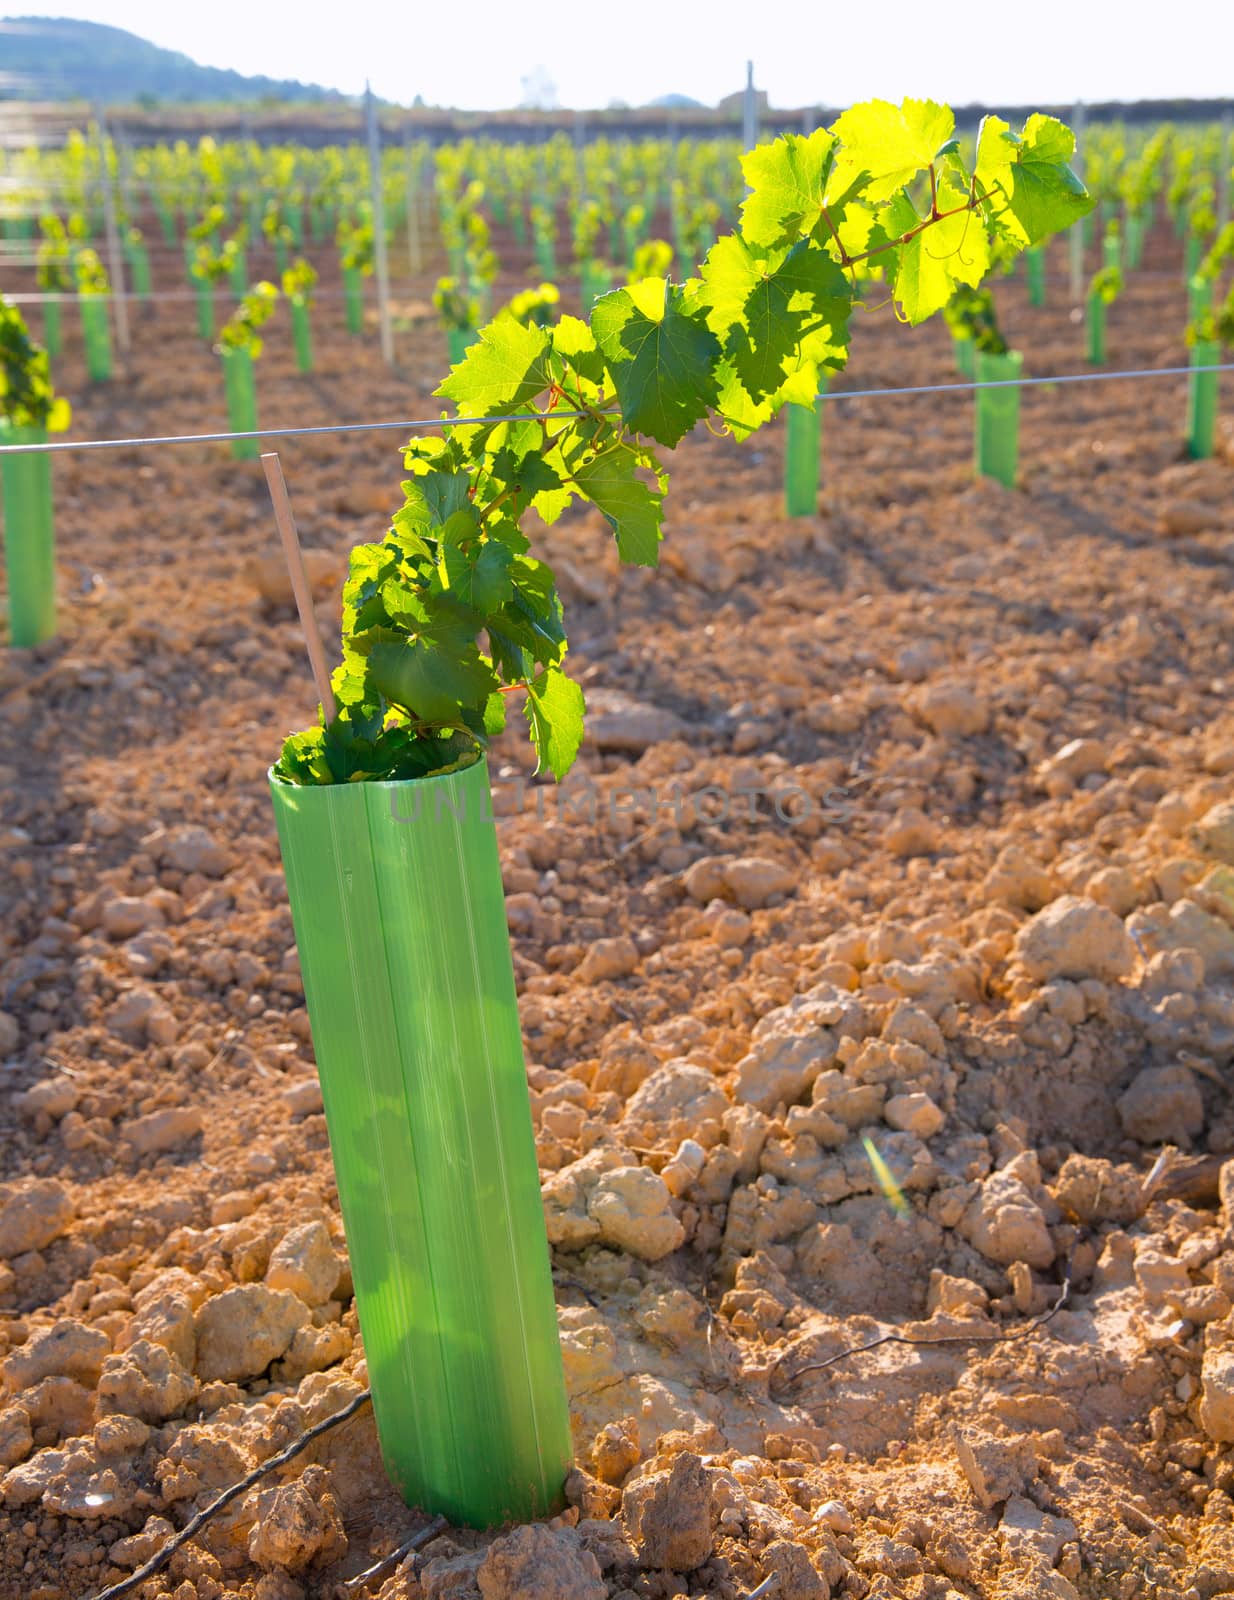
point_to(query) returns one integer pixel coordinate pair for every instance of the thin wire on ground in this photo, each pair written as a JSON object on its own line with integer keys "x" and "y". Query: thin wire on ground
{"x": 388, "y": 1563}
{"x": 423, "y": 424}
{"x": 194, "y": 1526}
{"x": 1004, "y": 1336}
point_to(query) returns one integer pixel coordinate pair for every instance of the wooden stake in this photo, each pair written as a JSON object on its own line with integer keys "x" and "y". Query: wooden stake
{"x": 273, "y": 469}
{"x": 379, "y": 228}
{"x": 1075, "y": 241}
{"x": 115, "y": 257}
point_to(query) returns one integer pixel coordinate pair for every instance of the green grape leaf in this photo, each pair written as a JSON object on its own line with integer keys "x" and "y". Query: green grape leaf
{"x": 631, "y": 507}
{"x": 503, "y": 371}
{"x": 574, "y": 342}
{"x": 743, "y": 414}
{"x": 554, "y": 712}
{"x": 763, "y": 309}
{"x": 480, "y": 578}
{"x": 661, "y": 357}
{"x": 303, "y": 759}
{"x": 787, "y": 182}
{"x": 1042, "y": 194}
{"x": 495, "y": 714}
{"x": 955, "y": 249}
{"x": 431, "y": 677}
{"x": 890, "y": 143}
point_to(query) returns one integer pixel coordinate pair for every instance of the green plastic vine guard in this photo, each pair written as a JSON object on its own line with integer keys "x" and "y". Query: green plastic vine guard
{"x": 353, "y": 295}
{"x": 997, "y": 417}
{"x": 964, "y": 351}
{"x": 241, "y": 391}
{"x": 1199, "y": 296}
{"x": 205, "y": 309}
{"x": 1202, "y": 400}
{"x": 302, "y": 334}
{"x": 458, "y": 342}
{"x": 802, "y": 456}
{"x": 280, "y": 253}
{"x": 1112, "y": 251}
{"x": 1135, "y": 239}
{"x": 1034, "y": 269}
{"x": 53, "y": 337}
{"x": 1192, "y": 252}
{"x": 139, "y": 270}
{"x": 593, "y": 282}
{"x": 239, "y": 275}
{"x": 396, "y": 898}
{"x": 96, "y": 332}
{"x": 29, "y": 538}
{"x": 1095, "y": 319}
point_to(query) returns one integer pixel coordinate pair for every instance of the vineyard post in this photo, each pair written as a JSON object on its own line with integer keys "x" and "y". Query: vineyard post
{"x": 674, "y": 215}
{"x": 379, "y": 227}
{"x": 115, "y": 260}
{"x": 580, "y": 145}
{"x": 124, "y": 166}
{"x": 1076, "y": 236}
{"x": 415, "y": 258}
{"x": 1223, "y": 171}
{"x": 749, "y": 119}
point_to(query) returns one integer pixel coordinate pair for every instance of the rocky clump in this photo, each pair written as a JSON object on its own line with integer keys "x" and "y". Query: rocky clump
{"x": 1074, "y": 938}
{"x": 669, "y": 1516}
{"x": 32, "y": 1215}
{"x": 297, "y": 1525}
{"x": 536, "y": 1562}
{"x": 241, "y": 1331}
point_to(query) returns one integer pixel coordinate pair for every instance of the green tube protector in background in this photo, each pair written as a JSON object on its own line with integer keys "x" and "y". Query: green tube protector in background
{"x": 241, "y": 390}
{"x": 1112, "y": 251}
{"x": 1199, "y": 296}
{"x": 239, "y": 275}
{"x": 29, "y": 538}
{"x": 139, "y": 268}
{"x": 1095, "y": 319}
{"x": 1135, "y": 239}
{"x": 96, "y": 332}
{"x": 302, "y": 335}
{"x": 997, "y": 417}
{"x": 205, "y": 309}
{"x": 1034, "y": 268}
{"x": 964, "y": 351}
{"x": 353, "y": 298}
{"x": 458, "y": 342}
{"x": 1192, "y": 251}
{"x": 803, "y": 442}
{"x": 400, "y": 923}
{"x": 1202, "y": 400}
{"x": 53, "y": 339}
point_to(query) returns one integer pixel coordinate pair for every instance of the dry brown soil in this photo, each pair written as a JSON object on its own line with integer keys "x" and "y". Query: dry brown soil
{"x": 1005, "y": 956}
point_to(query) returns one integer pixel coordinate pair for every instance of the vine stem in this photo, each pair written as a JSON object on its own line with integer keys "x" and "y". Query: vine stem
{"x": 971, "y": 204}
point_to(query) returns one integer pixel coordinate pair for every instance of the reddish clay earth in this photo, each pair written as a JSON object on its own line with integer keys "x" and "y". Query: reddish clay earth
{"x": 997, "y": 937}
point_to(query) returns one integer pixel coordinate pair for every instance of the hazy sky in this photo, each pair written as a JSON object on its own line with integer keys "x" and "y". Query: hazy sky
{"x": 475, "y": 52}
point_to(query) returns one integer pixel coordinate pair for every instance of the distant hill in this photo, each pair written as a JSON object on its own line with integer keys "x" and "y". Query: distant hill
{"x": 675, "y": 102}
{"x": 59, "y": 58}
